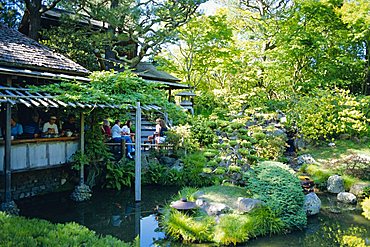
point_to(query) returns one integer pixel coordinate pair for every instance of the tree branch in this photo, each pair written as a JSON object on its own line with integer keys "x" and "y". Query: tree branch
{"x": 50, "y": 6}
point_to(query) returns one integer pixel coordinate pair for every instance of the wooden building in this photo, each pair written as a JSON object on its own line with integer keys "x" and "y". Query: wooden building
{"x": 23, "y": 61}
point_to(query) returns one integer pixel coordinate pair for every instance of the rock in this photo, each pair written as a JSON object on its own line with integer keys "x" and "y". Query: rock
{"x": 167, "y": 161}
{"x": 9, "y": 208}
{"x": 81, "y": 193}
{"x": 216, "y": 208}
{"x": 178, "y": 166}
{"x": 335, "y": 184}
{"x": 312, "y": 204}
{"x": 347, "y": 197}
{"x": 201, "y": 203}
{"x": 248, "y": 204}
{"x": 305, "y": 159}
{"x": 358, "y": 189}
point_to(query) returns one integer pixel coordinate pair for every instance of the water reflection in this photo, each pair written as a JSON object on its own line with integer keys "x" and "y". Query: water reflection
{"x": 116, "y": 213}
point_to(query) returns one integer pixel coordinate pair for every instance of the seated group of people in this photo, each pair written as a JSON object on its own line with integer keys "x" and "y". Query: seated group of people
{"x": 33, "y": 129}
{"x": 118, "y": 133}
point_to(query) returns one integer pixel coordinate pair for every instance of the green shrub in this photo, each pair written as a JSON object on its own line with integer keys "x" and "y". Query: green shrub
{"x": 19, "y": 231}
{"x": 366, "y": 208}
{"x": 120, "y": 174}
{"x": 276, "y": 185}
{"x": 327, "y": 113}
{"x": 202, "y": 132}
{"x": 193, "y": 169}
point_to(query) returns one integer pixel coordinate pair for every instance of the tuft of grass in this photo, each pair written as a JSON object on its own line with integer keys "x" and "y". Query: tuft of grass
{"x": 233, "y": 229}
{"x": 181, "y": 226}
{"x": 266, "y": 221}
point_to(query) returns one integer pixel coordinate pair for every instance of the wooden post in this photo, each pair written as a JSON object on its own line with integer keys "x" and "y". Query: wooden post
{"x": 137, "y": 219}
{"x": 123, "y": 148}
{"x": 7, "y": 150}
{"x": 138, "y": 154}
{"x": 82, "y": 145}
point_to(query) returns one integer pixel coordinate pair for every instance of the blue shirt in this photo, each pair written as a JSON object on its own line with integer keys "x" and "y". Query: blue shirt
{"x": 16, "y": 130}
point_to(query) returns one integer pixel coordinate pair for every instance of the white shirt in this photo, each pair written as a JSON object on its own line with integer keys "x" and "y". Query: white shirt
{"x": 116, "y": 131}
{"x": 126, "y": 129}
{"x": 48, "y": 126}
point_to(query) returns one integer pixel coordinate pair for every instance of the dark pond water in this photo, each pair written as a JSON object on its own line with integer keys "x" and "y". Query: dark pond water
{"x": 116, "y": 213}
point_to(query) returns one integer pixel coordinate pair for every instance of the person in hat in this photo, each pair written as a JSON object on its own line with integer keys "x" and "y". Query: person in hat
{"x": 50, "y": 128}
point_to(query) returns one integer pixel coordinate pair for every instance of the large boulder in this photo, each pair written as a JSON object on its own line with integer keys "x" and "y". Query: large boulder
{"x": 347, "y": 197}
{"x": 335, "y": 184}
{"x": 214, "y": 208}
{"x": 312, "y": 204}
{"x": 358, "y": 189}
{"x": 248, "y": 204}
{"x": 305, "y": 159}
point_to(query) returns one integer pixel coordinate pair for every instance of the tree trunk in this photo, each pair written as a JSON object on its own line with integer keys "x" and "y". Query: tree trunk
{"x": 35, "y": 25}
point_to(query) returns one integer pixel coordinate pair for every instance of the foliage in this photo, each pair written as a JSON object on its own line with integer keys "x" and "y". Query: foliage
{"x": 129, "y": 30}
{"x": 326, "y": 114}
{"x": 354, "y": 165}
{"x": 334, "y": 234}
{"x": 8, "y": 13}
{"x": 181, "y": 226}
{"x": 320, "y": 175}
{"x": 366, "y": 207}
{"x": 193, "y": 168}
{"x": 233, "y": 229}
{"x": 202, "y": 131}
{"x": 201, "y": 52}
{"x": 266, "y": 221}
{"x": 120, "y": 174}
{"x": 276, "y": 185}
{"x": 19, "y": 231}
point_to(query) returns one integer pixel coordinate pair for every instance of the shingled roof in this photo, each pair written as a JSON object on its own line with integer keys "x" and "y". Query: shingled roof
{"x": 19, "y": 51}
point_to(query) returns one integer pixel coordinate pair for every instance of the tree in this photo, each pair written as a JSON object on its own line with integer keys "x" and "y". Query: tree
{"x": 8, "y": 13}
{"x": 202, "y": 48}
{"x": 129, "y": 30}
{"x": 32, "y": 15}
{"x": 356, "y": 15}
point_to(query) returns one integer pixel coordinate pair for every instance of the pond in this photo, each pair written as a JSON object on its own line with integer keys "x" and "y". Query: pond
{"x": 116, "y": 213}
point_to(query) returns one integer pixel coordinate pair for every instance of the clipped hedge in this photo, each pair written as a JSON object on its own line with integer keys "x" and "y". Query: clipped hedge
{"x": 276, "y": 185}
{"x": 19, "y": 231}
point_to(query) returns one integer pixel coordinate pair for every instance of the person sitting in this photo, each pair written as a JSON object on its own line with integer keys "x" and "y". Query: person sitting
{"x": 161, "y": 136}
{"x": 50, "y": 128}
{"x": 117, "y": 136}
{"x": 70, "y": 125}
{"x": 106, "y": 130}
{"x": 16, "y": 128}
{"x": 32, "y": 128}
{"x": 126, "y": 129}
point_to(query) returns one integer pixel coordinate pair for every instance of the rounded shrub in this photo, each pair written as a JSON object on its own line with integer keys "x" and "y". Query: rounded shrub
{"x": 275, "y": 184}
